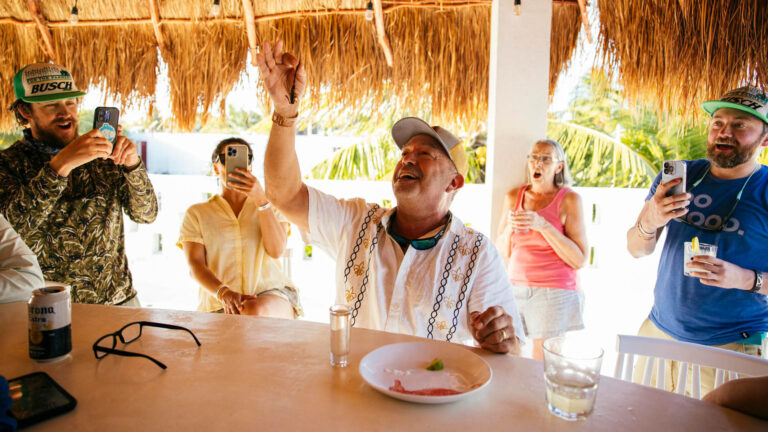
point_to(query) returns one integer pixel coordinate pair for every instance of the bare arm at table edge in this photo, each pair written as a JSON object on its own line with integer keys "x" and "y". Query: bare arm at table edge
{"x": 282, "y": 73}
{"x": 654, "y": 216}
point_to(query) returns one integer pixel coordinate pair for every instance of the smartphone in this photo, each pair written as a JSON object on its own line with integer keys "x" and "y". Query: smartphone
{"x": 105, "y": 120}
{"x": 237, "y": 157}
{"x": 674, "y": 169}
{"x": 37, "y": 397}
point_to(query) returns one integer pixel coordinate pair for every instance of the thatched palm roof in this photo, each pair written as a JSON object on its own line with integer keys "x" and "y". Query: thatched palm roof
{"x": 440, "y": 50}
{"x": 677, "y": 53}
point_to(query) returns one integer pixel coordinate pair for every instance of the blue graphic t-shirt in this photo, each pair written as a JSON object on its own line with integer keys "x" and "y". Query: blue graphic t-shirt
{"x": 683, "y": 307}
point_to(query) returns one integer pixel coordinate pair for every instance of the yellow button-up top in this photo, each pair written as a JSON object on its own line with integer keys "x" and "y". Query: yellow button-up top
{"x": 234, "y": 249}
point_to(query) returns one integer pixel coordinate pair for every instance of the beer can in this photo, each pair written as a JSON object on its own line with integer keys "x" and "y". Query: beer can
{"x": 50, "y": 323}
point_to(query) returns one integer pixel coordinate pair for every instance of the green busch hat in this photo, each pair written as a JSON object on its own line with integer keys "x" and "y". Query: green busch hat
{"x": 748, "y": 99}
{"x": 44, "y": 82}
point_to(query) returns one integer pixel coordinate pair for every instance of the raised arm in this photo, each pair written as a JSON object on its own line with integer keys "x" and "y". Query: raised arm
{"x": 283, "y": 75}
{"x": 137, "y": 196}
{"x": 657, "y": 211}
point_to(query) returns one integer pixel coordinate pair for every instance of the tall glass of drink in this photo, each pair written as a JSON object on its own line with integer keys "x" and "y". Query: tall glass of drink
{"x": 571, "y": 375}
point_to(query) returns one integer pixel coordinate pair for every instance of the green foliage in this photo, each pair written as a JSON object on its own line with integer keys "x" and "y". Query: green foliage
{"x": 599, "y": 160}
{"x": 598, "y": 157}
{"x": 372, "y": 159}
{"x": 8, "y": 138}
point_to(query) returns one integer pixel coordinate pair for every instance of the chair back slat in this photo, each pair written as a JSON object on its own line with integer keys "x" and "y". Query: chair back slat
{"x": 661, "y": 374}
{"x": 682, "y": 378}
{"x": 719, "y": 377}
{"x": 628, "y": 367}
{"x": 617, "y": 371}
{"x": 648, "y": 373}
{"x": 696, "y": 382}
{"x": 728, "y": 364}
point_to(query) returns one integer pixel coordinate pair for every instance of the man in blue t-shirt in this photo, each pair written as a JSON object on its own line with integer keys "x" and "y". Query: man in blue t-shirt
{"x": 723, "y": 302}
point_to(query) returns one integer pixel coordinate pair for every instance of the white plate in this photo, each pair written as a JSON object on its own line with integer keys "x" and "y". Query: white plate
{"x": 464, "y": 370}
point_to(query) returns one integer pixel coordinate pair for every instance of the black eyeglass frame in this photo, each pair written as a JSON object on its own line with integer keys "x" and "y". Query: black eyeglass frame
{"x": 119, "y": 335}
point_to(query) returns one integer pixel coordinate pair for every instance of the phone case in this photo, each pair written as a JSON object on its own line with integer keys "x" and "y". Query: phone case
{"x": 237, "y": 157}
{"x": 671, "y": 170}
{"x": 105, "y": 120}
{"x": 37, "y": 397}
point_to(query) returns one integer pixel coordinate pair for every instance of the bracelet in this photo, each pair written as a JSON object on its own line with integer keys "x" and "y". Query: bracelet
{"x": 643, "y": 233}
{"x": 284, "y": 121}
{"x": 265, "y": 206}
{"x": 218, "y": 290}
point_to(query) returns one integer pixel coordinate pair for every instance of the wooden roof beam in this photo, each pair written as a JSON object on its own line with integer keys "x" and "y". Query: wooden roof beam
{"x": 154, "y": 11}
{"x": 42, "y": 26}
{"x": 378, "y": 15}
{"x": 250, "y": 26}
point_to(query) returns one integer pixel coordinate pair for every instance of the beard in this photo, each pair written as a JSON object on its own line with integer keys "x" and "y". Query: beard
{"x": 741, "y": 153}
{"x": 51, "y": 134}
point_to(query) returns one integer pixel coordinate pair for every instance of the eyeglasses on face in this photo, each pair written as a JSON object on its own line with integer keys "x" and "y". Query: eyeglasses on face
{"x": 543, "y": 159}
{"x": 129, "y": 333}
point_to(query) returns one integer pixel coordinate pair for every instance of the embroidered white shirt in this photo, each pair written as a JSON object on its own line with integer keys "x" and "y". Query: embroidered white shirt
{"x": 427, "y": 293}
{"x": 19, "y": 271}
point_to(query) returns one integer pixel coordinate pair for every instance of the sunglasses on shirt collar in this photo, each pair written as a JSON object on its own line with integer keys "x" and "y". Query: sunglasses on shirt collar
{"x": 727, "y": 217}
{"x": 423, "y": 243}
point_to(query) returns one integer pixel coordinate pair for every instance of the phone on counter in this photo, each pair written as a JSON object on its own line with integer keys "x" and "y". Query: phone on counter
{"x": 105, "y": 120}
{"x": 237, "y": 157}
{"x": 674, "y": 169}
{"x": 37, "y": 397}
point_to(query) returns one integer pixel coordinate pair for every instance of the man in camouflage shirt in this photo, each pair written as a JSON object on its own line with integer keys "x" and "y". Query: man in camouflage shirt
{"x": 65, "y": 194}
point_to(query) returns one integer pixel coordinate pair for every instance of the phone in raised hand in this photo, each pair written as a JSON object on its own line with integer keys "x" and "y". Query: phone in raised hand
{"x": 105, "y": 120}
{"x": 237, "y": 157}
{"x": 671, "y": 170}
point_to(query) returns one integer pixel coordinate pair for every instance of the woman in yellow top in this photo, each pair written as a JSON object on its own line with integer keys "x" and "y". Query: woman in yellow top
{"x": 232, "y": 243}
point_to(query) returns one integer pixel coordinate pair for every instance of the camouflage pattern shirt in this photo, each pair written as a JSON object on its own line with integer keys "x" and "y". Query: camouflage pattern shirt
{"x": 75, "y": 224}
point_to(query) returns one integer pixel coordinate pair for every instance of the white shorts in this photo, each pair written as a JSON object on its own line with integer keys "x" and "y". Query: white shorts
{"x": 548, "y": 312}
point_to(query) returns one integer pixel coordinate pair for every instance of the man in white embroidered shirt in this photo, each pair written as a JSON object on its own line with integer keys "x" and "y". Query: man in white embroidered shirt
{"x": 413, "y": 269}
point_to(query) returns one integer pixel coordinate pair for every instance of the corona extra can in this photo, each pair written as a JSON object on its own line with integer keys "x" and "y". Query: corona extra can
{"x": 50, "y": 323}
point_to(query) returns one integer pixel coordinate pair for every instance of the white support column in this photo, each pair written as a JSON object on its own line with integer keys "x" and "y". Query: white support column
{"x": 517, "y": 102}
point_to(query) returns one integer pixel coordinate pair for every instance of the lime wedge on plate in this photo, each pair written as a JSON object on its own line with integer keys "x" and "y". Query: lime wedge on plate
{"x": 436, "y": 365}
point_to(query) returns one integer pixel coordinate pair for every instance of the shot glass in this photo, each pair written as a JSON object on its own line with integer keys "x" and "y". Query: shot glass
{"x": 704, "y": 249}
{"x": 340, "y": 325}
{"x": 571, "y": 375}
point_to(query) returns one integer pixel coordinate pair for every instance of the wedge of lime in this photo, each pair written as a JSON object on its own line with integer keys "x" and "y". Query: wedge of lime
{"x": 695, "y": 245}
{"x": 436, "y": 365}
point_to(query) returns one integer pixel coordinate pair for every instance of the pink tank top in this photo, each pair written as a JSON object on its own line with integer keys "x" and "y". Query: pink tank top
{"x": 532, "y": 261}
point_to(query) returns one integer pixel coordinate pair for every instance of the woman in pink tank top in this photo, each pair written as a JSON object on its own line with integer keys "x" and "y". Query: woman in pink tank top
{"x": 543, "y": 241}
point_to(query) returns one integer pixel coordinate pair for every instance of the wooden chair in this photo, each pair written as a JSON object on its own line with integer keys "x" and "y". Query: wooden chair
{"x": 728, "y": 364}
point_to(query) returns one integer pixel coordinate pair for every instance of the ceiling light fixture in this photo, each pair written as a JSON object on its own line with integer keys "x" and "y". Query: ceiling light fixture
{"x": 216, "y": 8}
{"x": 73, "y": 16}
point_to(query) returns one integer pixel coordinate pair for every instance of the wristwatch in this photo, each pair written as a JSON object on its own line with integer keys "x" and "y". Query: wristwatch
{"x": 758, "y": 282}
{"x": 284, "y": 121}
